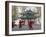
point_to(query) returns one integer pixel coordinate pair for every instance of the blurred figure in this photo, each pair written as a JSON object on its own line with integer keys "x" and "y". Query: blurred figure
{"x": 21, "y": 22}
{"x": 30, "y": 22}
{"x": 13, "y": 24}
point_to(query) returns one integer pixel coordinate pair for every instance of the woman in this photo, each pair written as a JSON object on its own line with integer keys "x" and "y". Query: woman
{"x": 30, "y": 22}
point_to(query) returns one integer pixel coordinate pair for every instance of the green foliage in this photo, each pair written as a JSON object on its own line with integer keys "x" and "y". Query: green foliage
{"x": 14, "y": 12}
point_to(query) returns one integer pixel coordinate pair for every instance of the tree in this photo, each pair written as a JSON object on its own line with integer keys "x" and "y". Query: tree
{"x": 28, "y": 15}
